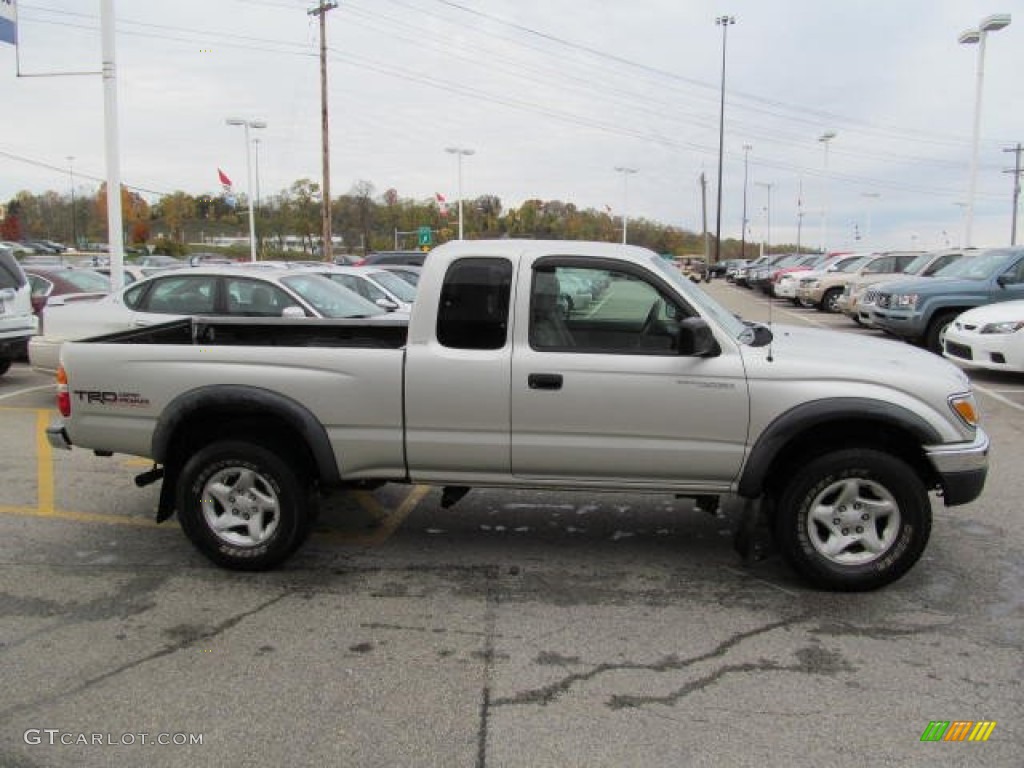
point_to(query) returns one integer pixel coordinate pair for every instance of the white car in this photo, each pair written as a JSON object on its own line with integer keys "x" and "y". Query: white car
{"x": 379, "y": 286}
{"x": 17, "y": 321}
{"x": 991, "y": 336}
{"x": 212, "y": 291}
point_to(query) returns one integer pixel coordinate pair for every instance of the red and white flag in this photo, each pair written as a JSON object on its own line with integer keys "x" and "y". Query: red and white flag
{"x": 224, "y": 180}
{"x": 442, "y": 204}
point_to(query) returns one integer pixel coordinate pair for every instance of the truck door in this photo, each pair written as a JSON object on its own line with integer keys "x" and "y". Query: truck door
{"x": 457, "y": 378}
{"x": 601, "y": 393}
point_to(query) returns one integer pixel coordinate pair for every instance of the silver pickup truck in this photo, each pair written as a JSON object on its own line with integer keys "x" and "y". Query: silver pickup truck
{"x": 640, "y": 383}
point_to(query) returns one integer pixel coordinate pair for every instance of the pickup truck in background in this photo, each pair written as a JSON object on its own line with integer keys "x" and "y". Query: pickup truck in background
{"x": 833, "y": 440}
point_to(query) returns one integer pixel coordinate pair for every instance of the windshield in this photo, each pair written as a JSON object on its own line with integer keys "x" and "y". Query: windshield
{"x": 87, "y": 280}
{"x": 980, "y": 267}
{"x": 698, "y": 298}
{"x": 395, "y": 285}
{"x": 329, "y": 298}
{"x": 853, "y": 265}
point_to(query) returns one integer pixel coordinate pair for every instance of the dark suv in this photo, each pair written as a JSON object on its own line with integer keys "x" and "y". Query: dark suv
{"x": 415, "y": 258}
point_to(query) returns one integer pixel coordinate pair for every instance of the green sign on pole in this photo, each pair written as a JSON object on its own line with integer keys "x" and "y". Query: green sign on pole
{"x": 426, "y": 236}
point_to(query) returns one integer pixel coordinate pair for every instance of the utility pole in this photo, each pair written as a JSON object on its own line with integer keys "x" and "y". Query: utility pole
{"x": 743, "y": 223}
{"x": 1016, "y": 190}
{"x": 321, "y": 11}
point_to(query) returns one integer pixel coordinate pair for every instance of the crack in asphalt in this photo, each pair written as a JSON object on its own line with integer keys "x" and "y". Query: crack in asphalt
{"x": 188, "y": 639}
{"x": 810, "y": 661}
{"x": 549, "y": 693}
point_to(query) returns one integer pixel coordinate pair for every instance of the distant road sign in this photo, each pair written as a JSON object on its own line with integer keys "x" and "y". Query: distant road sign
{"x": 426, "y": 236}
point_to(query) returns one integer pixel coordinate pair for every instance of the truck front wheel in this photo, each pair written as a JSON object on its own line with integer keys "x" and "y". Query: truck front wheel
{"x": 242, "y": 506}
{"x": 853, "y": 520}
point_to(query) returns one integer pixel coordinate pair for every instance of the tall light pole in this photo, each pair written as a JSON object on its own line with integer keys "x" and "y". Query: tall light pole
{"x": 870, "y": 196}
{"x": 724, "y": 22}
{"x": 768, "y": 211}
{"x": 247, "y": 124}
{"x": 825, "y": 138}
{"x": 743, "y": 224}
{"x": 74, "y": 208}
{"x": 460, "y": 153}
{"x": 626, "y": 172}
{"x": 970, "y": 37}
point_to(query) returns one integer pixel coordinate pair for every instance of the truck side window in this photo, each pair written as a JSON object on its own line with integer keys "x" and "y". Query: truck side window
{"x": 602, "y": 311}
{"x": 473, "y": 308}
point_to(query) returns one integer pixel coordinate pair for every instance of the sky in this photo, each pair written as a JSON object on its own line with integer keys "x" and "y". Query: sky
{"x": 552, "y": 97}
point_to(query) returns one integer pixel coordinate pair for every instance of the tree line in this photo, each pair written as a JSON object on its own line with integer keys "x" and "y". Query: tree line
{"x": 364, "y": 220}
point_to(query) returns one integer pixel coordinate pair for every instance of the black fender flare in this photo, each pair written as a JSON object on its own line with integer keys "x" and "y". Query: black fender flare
{"x": 816, "y": 413}
{"x": 296, "y": 415}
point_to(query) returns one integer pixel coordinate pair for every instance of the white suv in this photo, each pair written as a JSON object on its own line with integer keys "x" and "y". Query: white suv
{"x": 17, "y": 322}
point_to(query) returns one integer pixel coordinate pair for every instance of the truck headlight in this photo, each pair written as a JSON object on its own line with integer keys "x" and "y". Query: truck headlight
{"x": 1011, "y": 326}
{"x": 904, "y": 301}
{"x": 963, "y": 405}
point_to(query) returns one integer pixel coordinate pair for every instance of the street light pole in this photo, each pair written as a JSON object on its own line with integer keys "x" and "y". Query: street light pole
{"x": 743, "y": 224}
{"x": 625, "y": 196}
{"x": 723, "y": 22}
{"x": 460, "y": 153}
{"x": 247, "y": 124}
{"x": 970, "y": 37}
{"x": 825, "y": 138}
{"x": 768, "y": 211}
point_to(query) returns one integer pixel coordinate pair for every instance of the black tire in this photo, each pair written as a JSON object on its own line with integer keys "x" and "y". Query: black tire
{"x": 272, "y": 518}
{"x": 830, "y": 299}
{"x": 936, "y": 330}
{"x": 5, "y": 366}
{"x": 884, "y": 520}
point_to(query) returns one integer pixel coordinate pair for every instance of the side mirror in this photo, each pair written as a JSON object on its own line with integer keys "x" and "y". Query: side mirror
{"x": 696, "y": 338}
{"x": 292, "y": 311}
{"x": 387, "y": 304}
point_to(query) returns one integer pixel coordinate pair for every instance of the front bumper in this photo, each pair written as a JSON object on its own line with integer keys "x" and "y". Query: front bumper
{"x": 962, "y": 468}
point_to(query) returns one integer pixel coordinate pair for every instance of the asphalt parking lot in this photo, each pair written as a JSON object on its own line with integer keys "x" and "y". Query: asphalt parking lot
{"x": 516, "y": 629}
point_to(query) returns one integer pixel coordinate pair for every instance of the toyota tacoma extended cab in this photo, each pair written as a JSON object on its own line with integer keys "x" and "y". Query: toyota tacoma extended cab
{"x": 832, "y": 440}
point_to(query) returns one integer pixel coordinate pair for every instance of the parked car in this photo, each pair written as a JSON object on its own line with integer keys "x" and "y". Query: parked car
{"x": 743, "y": 272}
{"x": 804, "y": 263}
{"x": 824, "y": 292}
{"x": 64, "y": 285}
{"x": 379, "y": 286}
{"x": 920, "y": 309}
{"x": 173, "y": 294}
{"x": 17, "y": 321}
{"x": 408, "y": 272}
{"x": 990, "y": 336}
{"x": 416, "y": 258}
{"x": 929, "y": 264}
{"x": 732, "y": 266}
{"x": 883, "y": 266}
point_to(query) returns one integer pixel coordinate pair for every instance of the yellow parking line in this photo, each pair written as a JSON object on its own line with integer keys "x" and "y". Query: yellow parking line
{"x": 44, "y": 465}
{"x": 78, "y": 517}
{"x": 390, "y": 522}
{"x": 46, "y": 505}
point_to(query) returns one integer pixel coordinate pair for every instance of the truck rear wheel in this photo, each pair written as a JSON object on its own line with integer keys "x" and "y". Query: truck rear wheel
{"x": 243, "y": 506}
{"x": 853, "y": 520}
